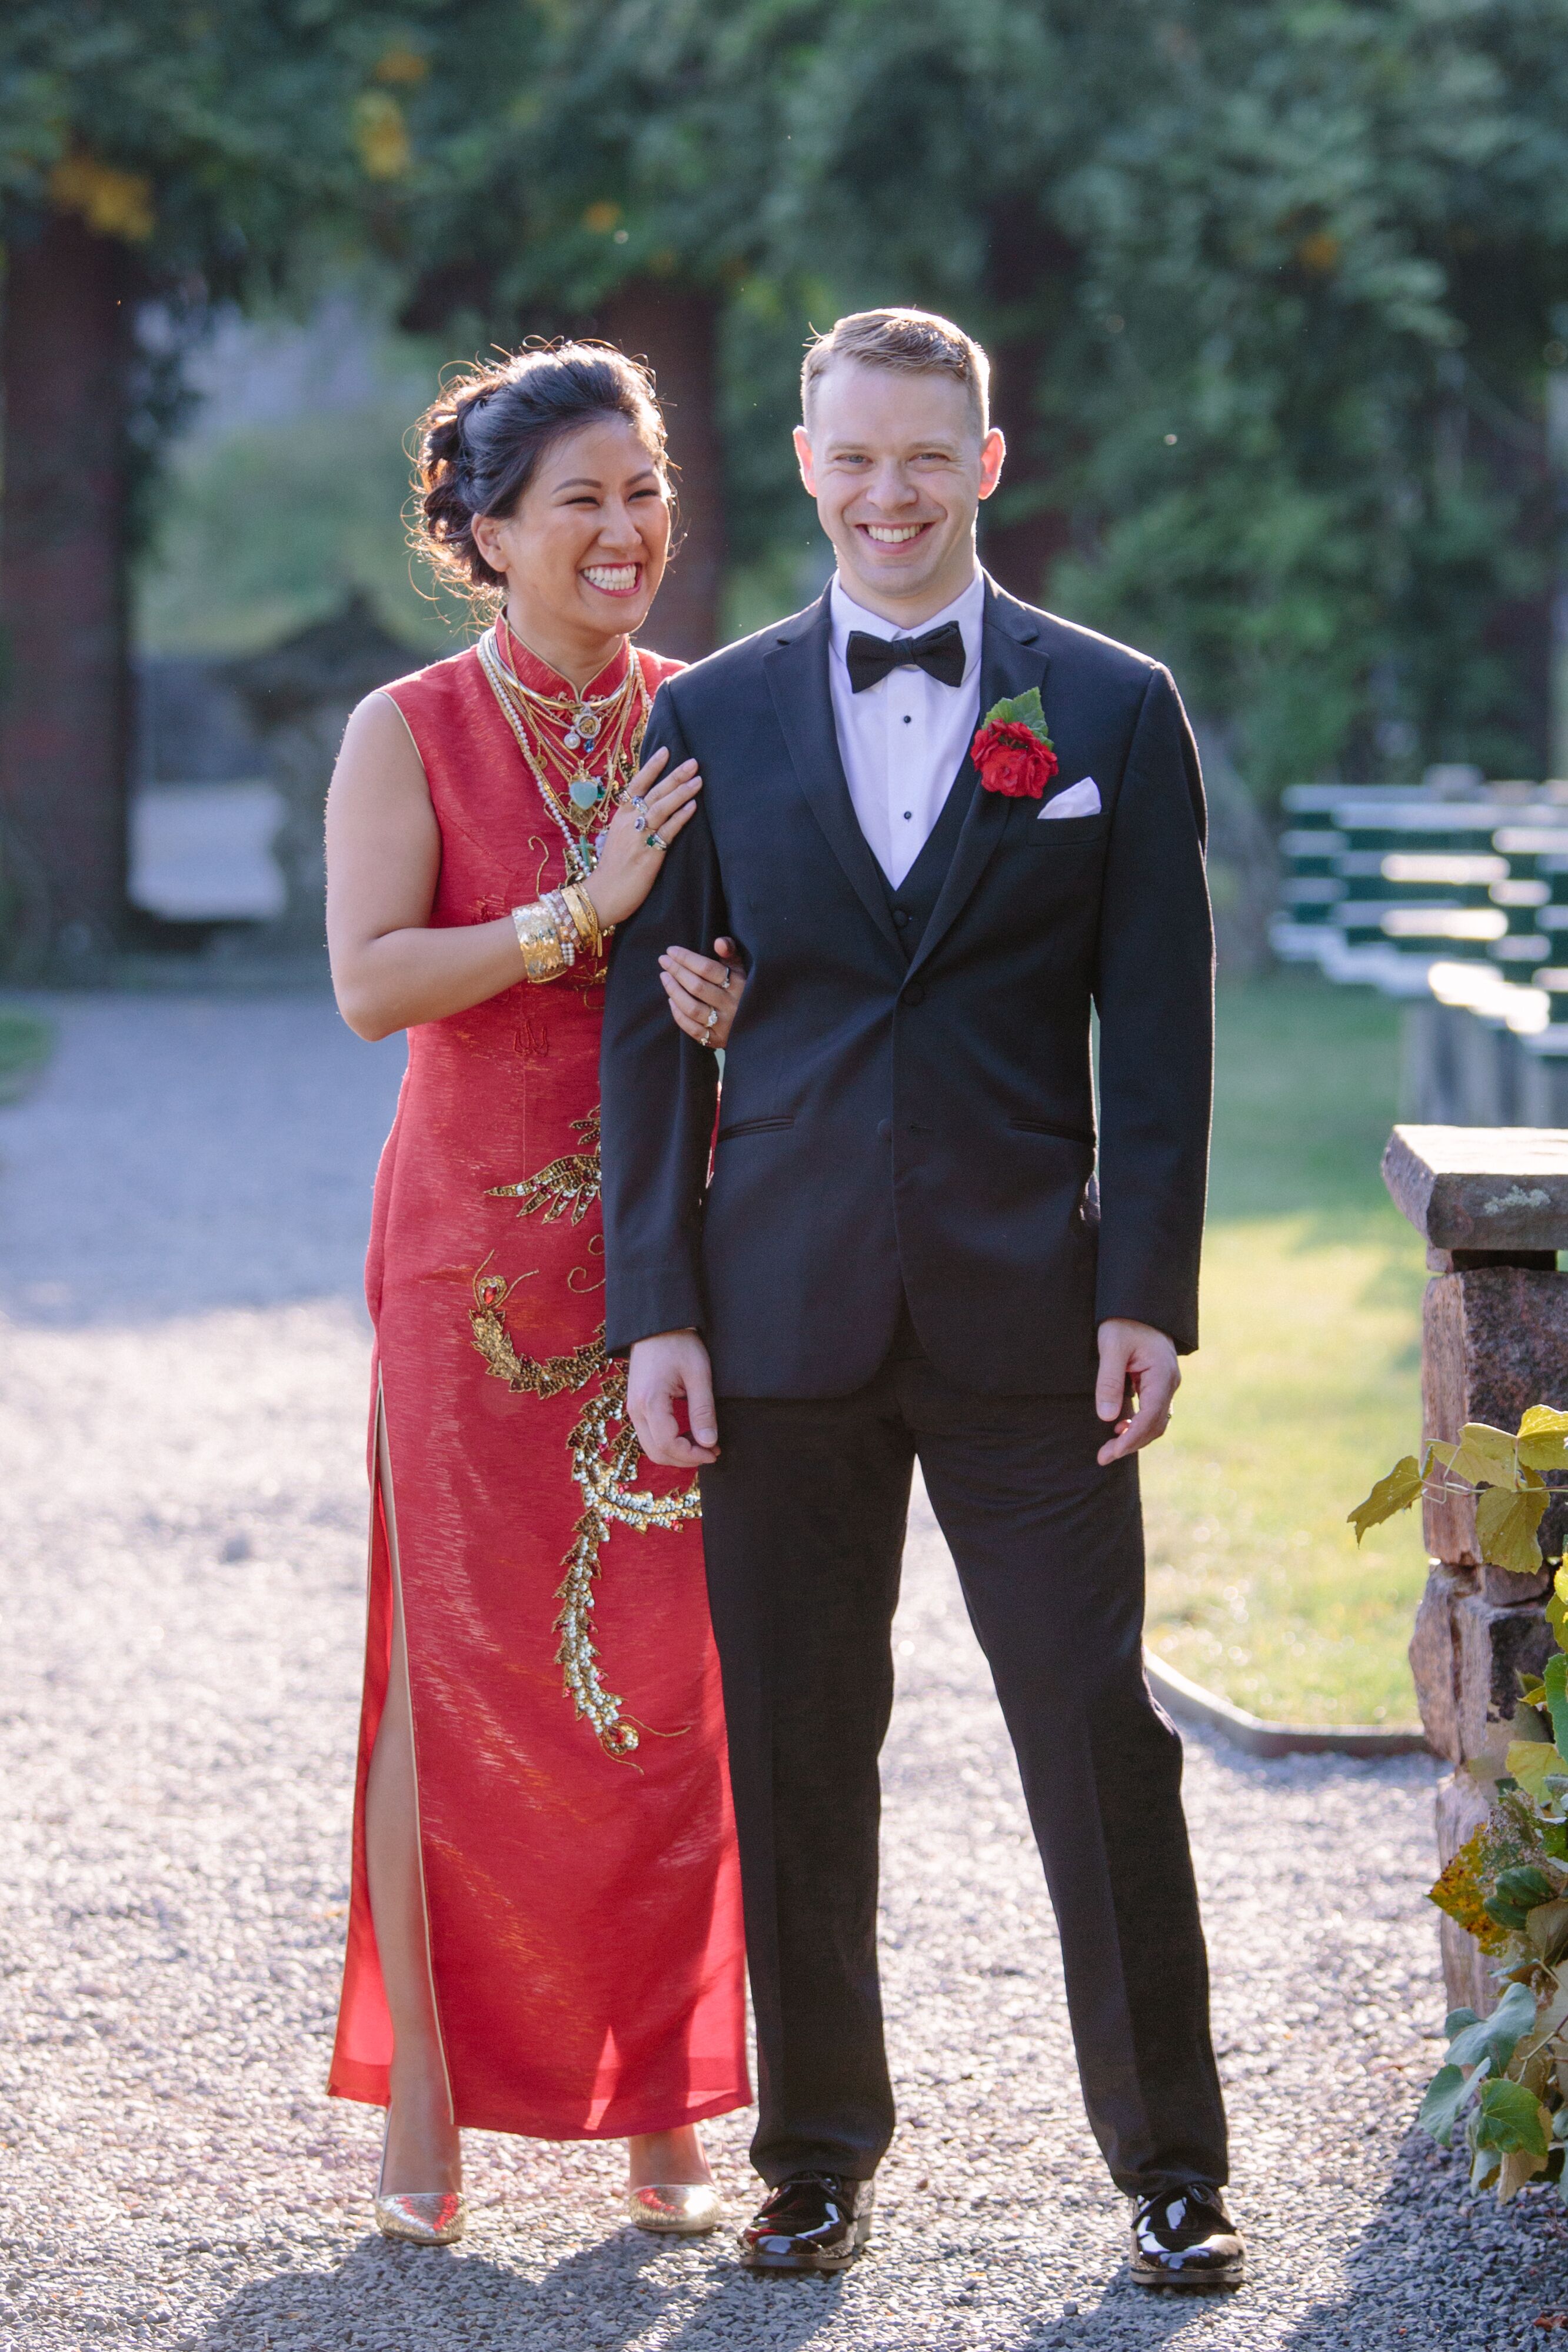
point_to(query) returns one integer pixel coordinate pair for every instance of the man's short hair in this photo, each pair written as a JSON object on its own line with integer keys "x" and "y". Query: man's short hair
{"x": 912, "y": 343}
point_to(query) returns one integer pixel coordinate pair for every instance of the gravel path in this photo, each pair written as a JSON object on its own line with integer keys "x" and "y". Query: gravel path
{"x": 181, "y": 1392}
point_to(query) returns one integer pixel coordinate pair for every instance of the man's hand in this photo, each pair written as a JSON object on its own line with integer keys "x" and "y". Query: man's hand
{"x": 1138, "y": 1367}
{"x": 674, "y": 1364}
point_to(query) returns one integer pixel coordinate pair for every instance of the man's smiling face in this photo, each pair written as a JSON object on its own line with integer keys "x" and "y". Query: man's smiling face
{"x": 898, "y": 462}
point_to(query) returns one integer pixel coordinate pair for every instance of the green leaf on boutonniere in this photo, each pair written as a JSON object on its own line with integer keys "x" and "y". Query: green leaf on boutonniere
{"x": 1021, "y": 711}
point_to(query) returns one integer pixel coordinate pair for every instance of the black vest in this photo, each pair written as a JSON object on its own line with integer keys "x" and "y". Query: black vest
{"x": 914, "y": 900}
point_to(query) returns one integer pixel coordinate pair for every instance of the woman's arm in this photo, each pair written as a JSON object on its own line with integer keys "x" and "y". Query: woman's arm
{"x": 383, "y": 860}
{"x": 390, "y": 970}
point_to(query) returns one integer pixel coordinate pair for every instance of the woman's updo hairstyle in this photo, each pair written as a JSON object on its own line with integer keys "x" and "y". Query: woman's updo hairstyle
{"x": 480, "y": 442}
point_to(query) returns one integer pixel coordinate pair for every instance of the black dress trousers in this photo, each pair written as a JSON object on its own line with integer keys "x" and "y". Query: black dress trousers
{"x": 803, "y": 1522}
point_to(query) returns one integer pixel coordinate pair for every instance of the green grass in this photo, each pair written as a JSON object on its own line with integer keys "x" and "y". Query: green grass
{"x": 25, "y": 1042}
{"x": 1308, "y": 1383}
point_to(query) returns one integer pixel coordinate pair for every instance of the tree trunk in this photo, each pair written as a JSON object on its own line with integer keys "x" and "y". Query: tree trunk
{"x": 64, "y": 688}
{"x": 1028, "y": 525}
{"x": 675, "y": 329}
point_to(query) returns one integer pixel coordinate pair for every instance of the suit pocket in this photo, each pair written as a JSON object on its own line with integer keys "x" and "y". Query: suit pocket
{"x": 756, "y": 1126}
{"x": 1064, "y": 832}
{"x": 1063, "y": 1134}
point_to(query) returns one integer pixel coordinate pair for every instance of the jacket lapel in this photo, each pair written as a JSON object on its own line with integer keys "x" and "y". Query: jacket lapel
{"x": 1011, "y": 661}
{"x": 797, "y": 672}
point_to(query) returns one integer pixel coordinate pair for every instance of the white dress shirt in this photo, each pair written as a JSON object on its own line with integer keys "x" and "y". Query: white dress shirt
{"x": 903, "y": 741}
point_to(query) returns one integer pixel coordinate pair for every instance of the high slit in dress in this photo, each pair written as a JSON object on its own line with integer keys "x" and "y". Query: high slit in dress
{"x": 581, "y": 1890}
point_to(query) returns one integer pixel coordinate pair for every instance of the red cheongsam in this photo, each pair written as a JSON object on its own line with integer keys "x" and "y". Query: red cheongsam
{"x": 574, "y": 1818}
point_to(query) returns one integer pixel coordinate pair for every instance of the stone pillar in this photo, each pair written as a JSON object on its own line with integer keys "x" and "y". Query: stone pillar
{"x": 1492, "y": 1204}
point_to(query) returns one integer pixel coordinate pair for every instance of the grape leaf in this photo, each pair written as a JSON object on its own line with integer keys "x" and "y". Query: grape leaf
{"x": 1448, "y": 2093}
{"x": 1512, "y": 2120}
{"x": 1542, "y": 1448}
{"x": 1485, "y": 1453}
{"x": 1395, "y": 1493}
{"x": 1458, "y": 1892}
{"x": 1530, "y": 1761}
{"x": 1494, "y": 2038}
{"x": 1556, "y": 1681}
{"x": 1506, "y": 1524}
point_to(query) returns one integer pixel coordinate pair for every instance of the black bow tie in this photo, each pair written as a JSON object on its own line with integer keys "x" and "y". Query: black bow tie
{"x": 940, "y": 652}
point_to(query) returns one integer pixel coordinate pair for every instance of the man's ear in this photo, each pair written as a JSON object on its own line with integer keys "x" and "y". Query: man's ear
{"x": 993, "y": 449}
{"x": 803, "y": 459}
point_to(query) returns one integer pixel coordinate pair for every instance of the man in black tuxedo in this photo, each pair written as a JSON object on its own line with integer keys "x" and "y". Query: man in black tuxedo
{"x": 904, "y": 1252}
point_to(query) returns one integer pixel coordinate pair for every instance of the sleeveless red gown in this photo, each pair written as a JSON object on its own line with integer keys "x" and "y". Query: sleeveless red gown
{"x": 581, "y": 1888}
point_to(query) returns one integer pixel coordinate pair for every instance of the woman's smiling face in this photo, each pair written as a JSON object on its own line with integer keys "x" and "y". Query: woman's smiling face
{"x": 587, "y": 543}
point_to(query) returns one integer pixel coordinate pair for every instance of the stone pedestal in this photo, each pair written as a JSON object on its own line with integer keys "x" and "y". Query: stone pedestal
{"x": 299, "y": 697}
{"x": 1492, "y": 1204}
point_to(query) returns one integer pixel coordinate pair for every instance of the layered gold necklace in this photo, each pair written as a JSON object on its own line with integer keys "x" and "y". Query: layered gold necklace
{"x": 564, "y": 738}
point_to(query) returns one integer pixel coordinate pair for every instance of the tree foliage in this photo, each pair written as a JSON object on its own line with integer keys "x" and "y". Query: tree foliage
{"x": 1288, "y": 276}
{"x": 1274, "y": 284}
{"x": 217, "y": 145}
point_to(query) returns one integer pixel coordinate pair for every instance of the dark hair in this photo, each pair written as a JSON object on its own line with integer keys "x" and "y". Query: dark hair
{"x": 480, "y": 442}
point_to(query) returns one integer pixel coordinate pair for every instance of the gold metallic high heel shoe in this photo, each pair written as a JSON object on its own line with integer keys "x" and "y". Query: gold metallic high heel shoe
{"x": 679, "y": 2210}
{"x": 433, "y": 2217}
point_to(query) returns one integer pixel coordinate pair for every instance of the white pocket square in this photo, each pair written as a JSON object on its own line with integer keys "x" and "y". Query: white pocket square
{"x": 1079, "y": 800}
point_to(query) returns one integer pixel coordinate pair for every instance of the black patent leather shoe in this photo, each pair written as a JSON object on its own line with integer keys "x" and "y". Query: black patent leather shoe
{"x": 1185, "y": 2238}
{"x": 812, "y": 2221}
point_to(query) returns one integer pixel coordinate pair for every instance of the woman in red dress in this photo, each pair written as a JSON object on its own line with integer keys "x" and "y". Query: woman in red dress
{"x": 545, "y": 1932}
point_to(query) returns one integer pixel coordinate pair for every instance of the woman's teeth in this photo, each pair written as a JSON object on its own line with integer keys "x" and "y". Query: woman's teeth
{"x": 615, "y": 579}
{"x": 893, "y": 534}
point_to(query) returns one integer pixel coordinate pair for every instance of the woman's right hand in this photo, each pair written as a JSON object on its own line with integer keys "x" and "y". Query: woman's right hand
{"x": 628, "y": 869}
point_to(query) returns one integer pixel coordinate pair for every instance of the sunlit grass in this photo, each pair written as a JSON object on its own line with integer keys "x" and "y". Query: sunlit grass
{"x": 1308, "y": 1384}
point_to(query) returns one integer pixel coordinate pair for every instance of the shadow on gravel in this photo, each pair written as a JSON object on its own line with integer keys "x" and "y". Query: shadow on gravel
{"x": 1436, "y": 2266}
{"x": 391, "y": 2298}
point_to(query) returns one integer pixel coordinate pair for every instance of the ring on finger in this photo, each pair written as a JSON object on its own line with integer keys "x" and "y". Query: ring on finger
{"x": 653, "y": 842}
{"x": 712, "y": 1021}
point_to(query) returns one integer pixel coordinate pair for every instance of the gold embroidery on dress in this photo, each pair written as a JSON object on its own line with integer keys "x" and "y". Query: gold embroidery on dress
{"x": 568, "y": 1185}
{"x": 603, "y": 1443}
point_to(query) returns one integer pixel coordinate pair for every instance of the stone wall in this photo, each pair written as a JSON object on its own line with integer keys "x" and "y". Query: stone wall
{"x": 1492, "y": 1206}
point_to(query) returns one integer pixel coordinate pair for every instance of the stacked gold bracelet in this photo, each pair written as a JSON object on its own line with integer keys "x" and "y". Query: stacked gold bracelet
{"x": 551, "y": 931}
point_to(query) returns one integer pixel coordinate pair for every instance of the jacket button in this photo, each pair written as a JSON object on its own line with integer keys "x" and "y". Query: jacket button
{"x": 901, "y": 915}
{"x": 913, "y": 994}
{"x": 884, "y": 1130}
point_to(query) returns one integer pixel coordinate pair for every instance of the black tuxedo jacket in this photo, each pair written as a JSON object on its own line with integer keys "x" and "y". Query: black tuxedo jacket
{"x": 916, "y": 1126}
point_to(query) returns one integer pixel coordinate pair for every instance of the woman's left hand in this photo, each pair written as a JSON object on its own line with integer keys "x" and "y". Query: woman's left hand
{"x": 703, "y": 994}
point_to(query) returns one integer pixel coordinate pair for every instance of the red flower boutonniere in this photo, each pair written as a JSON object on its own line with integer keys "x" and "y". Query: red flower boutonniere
{"x": 1013, "y": 749}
